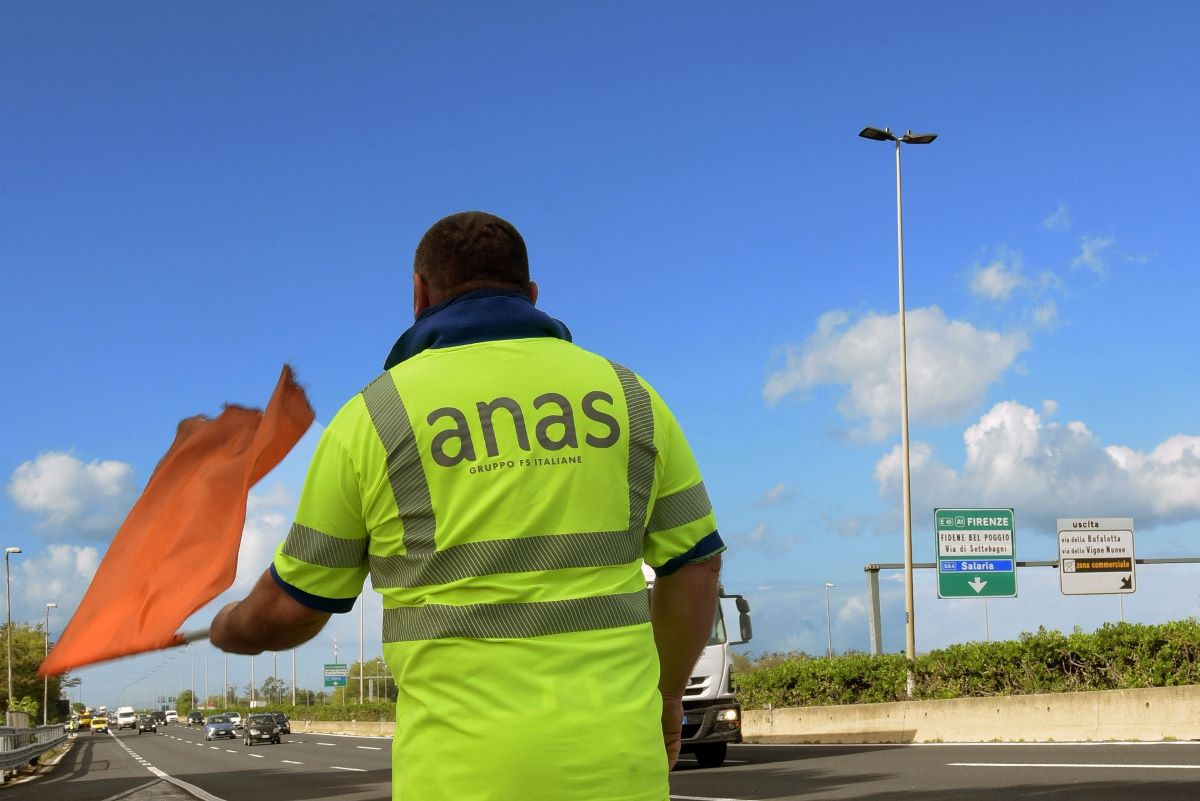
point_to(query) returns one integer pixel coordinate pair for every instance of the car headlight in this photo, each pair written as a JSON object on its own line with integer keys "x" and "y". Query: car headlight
{"x": 254, "y": 731}
{"x": 727, "y": 714}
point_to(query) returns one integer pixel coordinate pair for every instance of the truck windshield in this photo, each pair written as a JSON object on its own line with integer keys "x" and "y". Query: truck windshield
{"x": 718, "y": 629}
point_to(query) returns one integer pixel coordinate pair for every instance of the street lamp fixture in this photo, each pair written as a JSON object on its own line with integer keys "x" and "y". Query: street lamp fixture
{"x": 910, "y": 633}
{"x": 46, "y": 679}
{"x": 8, "y": 552}
{"x": 828, "y": 621}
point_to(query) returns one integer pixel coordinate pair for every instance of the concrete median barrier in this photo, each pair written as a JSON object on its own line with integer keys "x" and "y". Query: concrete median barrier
{"x": 1160, "y": 713}
{"x": 359, "y": 728}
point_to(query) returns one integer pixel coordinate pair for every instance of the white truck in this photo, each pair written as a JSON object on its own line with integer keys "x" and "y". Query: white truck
{"x": 126, "y": 718}
{"x": 712, "y": 716}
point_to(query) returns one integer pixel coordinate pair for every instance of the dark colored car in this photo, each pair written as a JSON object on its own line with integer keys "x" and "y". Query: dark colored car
{"x": 159, "y": 717}
{"x": 146, "y": 723}
{"x": 218, "y": 726}
{"x": 195, "y": 719}
{"x": 281, "y": 720}
{"x": 260, "y": 728}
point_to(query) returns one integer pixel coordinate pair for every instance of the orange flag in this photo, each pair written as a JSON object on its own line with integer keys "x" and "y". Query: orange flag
{"x": 178, "y": 548}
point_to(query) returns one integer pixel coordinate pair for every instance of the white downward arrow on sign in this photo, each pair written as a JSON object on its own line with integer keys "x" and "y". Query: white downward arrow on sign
{"x": 977, "y": 585}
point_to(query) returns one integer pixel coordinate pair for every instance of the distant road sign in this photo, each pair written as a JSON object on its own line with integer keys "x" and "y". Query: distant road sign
{"x": 1095, "y": 556}
{"x": 976, "y": 553}
{"x": 336, "y": 675}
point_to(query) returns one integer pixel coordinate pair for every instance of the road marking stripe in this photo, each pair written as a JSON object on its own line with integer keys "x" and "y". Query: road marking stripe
{"x": 331, "y": 744}
{"x": 291, "y": 762}
{"x": 256, "y": 756}
{"x": 213, "y": 747}
{"x": 356, "y": 770}
{"x": 203, "y": 795}
{"x": 127, "y": 793}
{"x": 230, "y": 751}
{"x": 369, "y": 747}
{"x": 1066, "y": 765}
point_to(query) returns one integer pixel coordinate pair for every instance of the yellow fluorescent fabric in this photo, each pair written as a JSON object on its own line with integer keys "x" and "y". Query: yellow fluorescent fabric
{"x": 505, "y": 487}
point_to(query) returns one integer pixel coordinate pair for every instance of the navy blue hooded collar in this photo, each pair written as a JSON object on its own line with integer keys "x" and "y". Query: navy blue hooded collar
{"x": 479, "y": 316}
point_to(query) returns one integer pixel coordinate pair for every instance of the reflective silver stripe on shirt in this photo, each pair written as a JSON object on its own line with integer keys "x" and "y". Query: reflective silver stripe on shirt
{"x": 515, "y": 621}
{"x": 679, "y": 509}
{"x": 318, "y": 548}
{"x": 641, "y": 447}
{"x": 520, "y": 555}
{"x": 405, "y": 472}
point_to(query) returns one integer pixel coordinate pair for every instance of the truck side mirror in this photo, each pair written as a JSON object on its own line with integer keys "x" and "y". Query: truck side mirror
{"x": 745, "y": 629}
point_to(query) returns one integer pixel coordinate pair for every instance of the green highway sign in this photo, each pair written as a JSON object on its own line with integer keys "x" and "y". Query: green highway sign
{"x": 336, "y": 674}
{"x": 976, "y": 553}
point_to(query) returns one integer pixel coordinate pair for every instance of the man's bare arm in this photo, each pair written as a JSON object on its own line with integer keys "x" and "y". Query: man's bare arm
{"x": 682, "y": 608}
{"x": 268, "y": 619}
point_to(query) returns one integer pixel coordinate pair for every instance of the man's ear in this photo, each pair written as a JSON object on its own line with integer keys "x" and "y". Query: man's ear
{"x": 533, "y": 292}
{"x": 420, "y": 295}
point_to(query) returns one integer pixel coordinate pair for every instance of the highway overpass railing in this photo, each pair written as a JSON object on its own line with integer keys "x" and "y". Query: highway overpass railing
{"x": 21, "y": 746}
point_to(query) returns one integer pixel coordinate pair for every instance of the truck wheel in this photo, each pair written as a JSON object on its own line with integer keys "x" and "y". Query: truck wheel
{"x": 711, "y": 756}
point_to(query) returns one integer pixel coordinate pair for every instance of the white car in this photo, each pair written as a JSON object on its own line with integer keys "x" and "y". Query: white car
{"x": 235, "y": 718}
{"x": 172, "y": 716}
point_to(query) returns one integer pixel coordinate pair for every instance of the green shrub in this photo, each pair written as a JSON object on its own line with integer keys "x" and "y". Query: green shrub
{"x": 1114, "y": 656}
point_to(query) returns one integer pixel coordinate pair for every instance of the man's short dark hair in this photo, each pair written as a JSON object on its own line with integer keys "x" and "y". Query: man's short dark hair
{"x": 471, "y": 250}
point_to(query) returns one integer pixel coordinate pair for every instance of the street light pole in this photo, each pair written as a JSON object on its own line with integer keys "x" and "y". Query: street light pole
{"x": 910, "y": 631}
{"x": 8, "y": 612}
{"x": 363, "y": 606}
{"x": 46, "y": 679}
{"x": 828, "y": 621}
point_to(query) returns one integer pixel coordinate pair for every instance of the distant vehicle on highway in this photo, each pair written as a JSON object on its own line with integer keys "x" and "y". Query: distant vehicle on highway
{"x": 146, "y": 723}
{"x": 172, "y": 716}
{"x": 99, "y": 724}
{"x": 235, "y": 718}
{"x": 195, "y": 719}
{"x": 281, "y": 720}
{"x": 159, "y": 716}
{"x": 126, "y": 718}
{"x": 218, "y": 726}
{"x": 261, "y": 728}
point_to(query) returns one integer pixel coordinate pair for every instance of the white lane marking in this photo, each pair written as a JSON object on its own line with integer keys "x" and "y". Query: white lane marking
{"x": 1066, "y": 765}
{"x": 256, "y": 756}
{"x": 213, "y": 747}
{"x": 291, "y": 762}
{"x": 128, "y": 793}
{"x": 369, "y": 747}
{"x": 329, "y": 744}
{"x": 356, "y": 770}
{"x": 230, "y": 751}
{"x": 203, "y": 795}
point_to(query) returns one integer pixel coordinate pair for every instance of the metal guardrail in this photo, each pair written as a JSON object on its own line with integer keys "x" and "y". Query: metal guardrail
{"x": 20, "y": 746}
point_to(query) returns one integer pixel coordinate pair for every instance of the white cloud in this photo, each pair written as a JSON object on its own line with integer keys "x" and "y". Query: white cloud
{"x": 1059, "y": 220}
{"x": 269, "y": 515}
{"x": 1044, "y": 314}
{"x": 60, "y": 574}
{"x": 996, "y": 281}
{"x": 88, "y": 499}
{"x": 780, "y": 493}
{"x": 1046, "y": 470}
{"x": 1049, "y": 408}
{"x": 950, "y": 366}
{"x": 1091, "y": 254}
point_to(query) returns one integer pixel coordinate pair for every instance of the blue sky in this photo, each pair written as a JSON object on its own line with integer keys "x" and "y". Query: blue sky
{"x": 194, "y": 194}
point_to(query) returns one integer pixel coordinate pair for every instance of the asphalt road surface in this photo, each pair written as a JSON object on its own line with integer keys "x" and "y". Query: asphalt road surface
{"x": 177, "y": 764}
